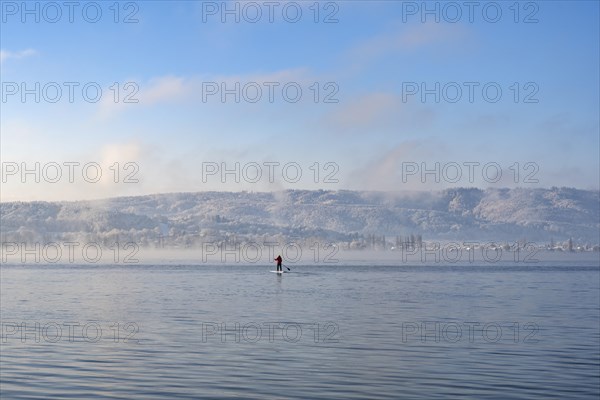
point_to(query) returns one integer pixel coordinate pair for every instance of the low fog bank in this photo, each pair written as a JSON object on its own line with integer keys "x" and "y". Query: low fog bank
{"x": 445, "y": 255}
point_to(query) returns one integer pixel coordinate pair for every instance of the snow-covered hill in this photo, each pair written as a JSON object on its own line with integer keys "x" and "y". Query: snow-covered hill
{"x": 186, "y": 219}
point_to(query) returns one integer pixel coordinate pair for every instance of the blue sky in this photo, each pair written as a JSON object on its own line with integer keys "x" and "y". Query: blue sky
{"x": 367, "y": 61}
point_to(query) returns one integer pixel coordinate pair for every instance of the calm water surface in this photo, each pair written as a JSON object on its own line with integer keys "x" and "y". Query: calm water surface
{"x": 347, "y": 332}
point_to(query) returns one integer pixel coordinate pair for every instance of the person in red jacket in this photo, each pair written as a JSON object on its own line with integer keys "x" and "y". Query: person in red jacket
{"x": 279, "y": 261}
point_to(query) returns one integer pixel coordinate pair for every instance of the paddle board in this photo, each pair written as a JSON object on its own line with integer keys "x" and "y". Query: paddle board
{"x": 278, "y": 272}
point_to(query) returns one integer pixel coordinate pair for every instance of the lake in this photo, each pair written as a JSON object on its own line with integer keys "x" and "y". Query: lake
{"x": 186, "y": 331}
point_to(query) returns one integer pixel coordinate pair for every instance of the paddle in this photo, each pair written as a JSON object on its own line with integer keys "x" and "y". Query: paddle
{"x": 286, "y": 267}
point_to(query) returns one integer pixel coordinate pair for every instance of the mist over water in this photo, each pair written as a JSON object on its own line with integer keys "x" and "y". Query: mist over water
{"x": 201, "y": 331}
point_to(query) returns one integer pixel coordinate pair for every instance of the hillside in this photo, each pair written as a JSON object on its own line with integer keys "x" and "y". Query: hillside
{"x": 185, "y": 219}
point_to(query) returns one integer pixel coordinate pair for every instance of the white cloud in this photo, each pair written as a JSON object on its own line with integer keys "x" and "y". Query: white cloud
{"x": 6, "y": 55}
{"x": 384, "y": 171}
{"x": 170, "y": 89}
{"x": 364, "y": 111}
{"x": 136, "y": 94}
{"x": 163, "y": 89}
{"x": 403, "y": 38}
{"x": 378, "y": 112}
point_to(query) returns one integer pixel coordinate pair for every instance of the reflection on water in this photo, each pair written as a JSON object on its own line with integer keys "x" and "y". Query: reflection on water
{"x": 342, "y": 332}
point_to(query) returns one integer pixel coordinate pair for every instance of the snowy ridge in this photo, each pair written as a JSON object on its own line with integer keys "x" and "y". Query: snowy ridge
{"x": 186, "y": 219}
